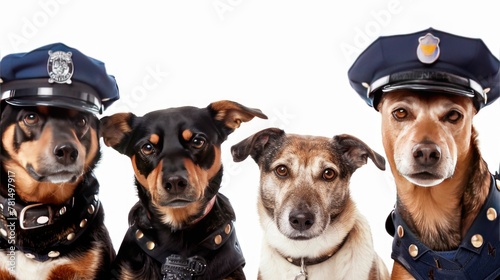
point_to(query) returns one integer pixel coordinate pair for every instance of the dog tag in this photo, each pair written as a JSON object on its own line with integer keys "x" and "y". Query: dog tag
{"x": 303, "y": 273}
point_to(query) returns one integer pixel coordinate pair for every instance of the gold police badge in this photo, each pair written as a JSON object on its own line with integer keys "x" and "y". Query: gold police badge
{"x": 60, "y": 67}
{"x": 428, "y": 49}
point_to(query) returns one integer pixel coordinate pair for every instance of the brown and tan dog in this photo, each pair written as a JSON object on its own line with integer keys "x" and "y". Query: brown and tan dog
{"x": 442, "y": 181}
{"x": 428, "y": 86}
{"x": 312, "y": 228}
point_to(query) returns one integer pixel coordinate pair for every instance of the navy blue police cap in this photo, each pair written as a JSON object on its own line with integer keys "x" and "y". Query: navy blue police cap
{"x": 430, "y": 61}
{"x": 57, "y": 75}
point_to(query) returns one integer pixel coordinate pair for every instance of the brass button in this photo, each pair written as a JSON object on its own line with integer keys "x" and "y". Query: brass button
{"x": 150, "y": 245}
{"x": 401, "y": 231}
{"x": 218, "y": 239}
{"x": 477, "y": 240}
{"x": 413, "y": 250}
{"x": 491, "y": 214}
{"x": 139, "y": 234}
{"x": 227, "y": 229}
{"x": 54, "y": 254}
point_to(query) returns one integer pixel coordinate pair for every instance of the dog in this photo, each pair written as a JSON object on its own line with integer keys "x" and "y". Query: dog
{"x": 443, "y": 186}
{"x": 182, "y": 227}
{"x": 52, "y": 220}
{"x": 312, "y": 228}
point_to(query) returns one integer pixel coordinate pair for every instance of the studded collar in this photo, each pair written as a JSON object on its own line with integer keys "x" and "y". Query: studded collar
{"x": 22, "y": 219}
{"x": 183, "y": 255}
{"x": 477, "y": 257}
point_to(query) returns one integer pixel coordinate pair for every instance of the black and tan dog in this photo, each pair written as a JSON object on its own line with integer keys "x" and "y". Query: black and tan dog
{"x": 182, "y": 227}
{"x": 52, "y": 221}
{"x": 312, "y": 228}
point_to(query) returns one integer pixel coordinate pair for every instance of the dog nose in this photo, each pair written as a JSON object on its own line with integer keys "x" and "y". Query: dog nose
{"x": 66, "y": 153}
{"x": 176, "y": 184}
{"x": 426, "y": 154}
{"x": 301, "y": 220}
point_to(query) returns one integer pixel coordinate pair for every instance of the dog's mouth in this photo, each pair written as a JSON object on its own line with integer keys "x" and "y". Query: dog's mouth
{"x": 55, "y": 177}
{"x": 424, "y": 178}
{"x": 177, "y": 202}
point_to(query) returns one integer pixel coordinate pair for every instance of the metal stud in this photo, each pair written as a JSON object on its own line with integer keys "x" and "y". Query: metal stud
{"x": 150, "y": 245}
{"x": 498, "y": 184}
{"x": 401, "y": 231}
{"x": 3, "y": 232}
{"x": 91, "y": 209}
{"x": 29, "y": 256}
{"x": 53, "y": 254}
{"x": 83, "y": 223}
{"x": 218, "y": 239}
{"x": 1, "y": 207}
{"x": 413, "y": 250}
{"x": 491, "y": 214}
{"x": 70, "y": 236}
{"x": 139, "y": 234}
{"x": 477, "y": 240}
{"x": 42, "y": 220}
{"x": 227, "y": 229}
{"x": 62, "y": 211}
{"x": 96, "y": 197}
{"x": 289, "y": 259}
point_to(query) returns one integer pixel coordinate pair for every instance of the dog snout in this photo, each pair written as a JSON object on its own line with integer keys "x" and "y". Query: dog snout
{"x": 66, "y": 153}
{"x": 426, "y": 154}
{"x": 176, "y": 184}
{"x": 301, "y": 220}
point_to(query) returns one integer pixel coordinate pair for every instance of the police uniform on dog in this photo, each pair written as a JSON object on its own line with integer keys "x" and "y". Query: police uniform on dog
{"x": 431, "y": 61}
{"x": 56, "y": 77}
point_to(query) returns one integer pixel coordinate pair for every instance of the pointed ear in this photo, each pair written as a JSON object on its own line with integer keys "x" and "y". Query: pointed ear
{"x": 255, "y": 144}
{"x": 116, "y": 130}
{"x": 231, "y": 114}
{"x": 356, "y": 152}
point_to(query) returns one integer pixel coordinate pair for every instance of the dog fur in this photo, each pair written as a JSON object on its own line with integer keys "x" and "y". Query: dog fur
{"x": 176, "y": 157}
{"x": 305, "y": 207}
{"x": 441, "y": 179}
{"x": 48, "y": 155}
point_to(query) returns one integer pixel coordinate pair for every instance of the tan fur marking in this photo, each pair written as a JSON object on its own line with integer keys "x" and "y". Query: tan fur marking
{"x": 5, "y": 275}
{"x": 233, "y": 114}
{"x": 154, "y": 139}
{"x": 83, "y": 267}
{"x": 187, "y": 134}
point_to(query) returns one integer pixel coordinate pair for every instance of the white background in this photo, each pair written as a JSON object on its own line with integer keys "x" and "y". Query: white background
{"x": 288, "y": 58}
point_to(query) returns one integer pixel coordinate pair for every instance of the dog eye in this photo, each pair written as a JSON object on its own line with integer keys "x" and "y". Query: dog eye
{"x": 198, "y": 142}
{"x": 281, "y": 171}
{"x": 147, "y": 149}
{"x": 329, "y": 174}
{"x": 82, "y": 122}
{"x": 453, "y": 116}
{"x": 399, "y": 114}
{"x": 31, "y": 119}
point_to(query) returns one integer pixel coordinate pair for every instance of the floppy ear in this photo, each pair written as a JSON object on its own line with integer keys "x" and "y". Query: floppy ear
{"x": 255, "y": 144}
{"x": 116, "y": 131}
{"x": 231, "y": 114}
{"x": 356, "y": 152}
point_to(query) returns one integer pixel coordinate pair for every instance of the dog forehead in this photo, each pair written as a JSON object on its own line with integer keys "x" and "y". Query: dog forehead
{"x": 303, "y": 148}
{"x": 436, "y": 100}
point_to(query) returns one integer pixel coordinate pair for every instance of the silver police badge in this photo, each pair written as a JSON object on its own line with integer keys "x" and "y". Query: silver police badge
{"x": 60, "y": 67}
{"x": 428, "y": 50}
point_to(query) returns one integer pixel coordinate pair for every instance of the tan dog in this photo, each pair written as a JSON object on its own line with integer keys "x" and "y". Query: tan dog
{"x": 442, "y": 181}
{"x": 312, "y": 228}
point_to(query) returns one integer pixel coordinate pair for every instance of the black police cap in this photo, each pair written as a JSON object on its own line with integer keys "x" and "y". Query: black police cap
{"x": 57, "y": 75}
{"x": 428, "y": 61}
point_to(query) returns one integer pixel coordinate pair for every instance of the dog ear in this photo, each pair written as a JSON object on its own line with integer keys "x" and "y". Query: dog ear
{"x": 231, "y": 114}
{"x": 255, "y": 144}
{"x": 357, "y": 152}
{"x": 116, "y": 130}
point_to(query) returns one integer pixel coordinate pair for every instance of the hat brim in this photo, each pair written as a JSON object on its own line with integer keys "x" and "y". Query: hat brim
{"x": 76, "y": 96}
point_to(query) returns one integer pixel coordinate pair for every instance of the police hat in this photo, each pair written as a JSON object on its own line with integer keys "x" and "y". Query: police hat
{"x": 428, "y": 61}
{"x": 57, "y": 75}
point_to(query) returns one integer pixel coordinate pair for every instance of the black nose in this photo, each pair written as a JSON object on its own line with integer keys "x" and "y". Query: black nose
{"x": 301, "y": 220}
{"x": 176, "y": 185}
{"x": 66, "y": 153}
{"x": 426, "y": 154}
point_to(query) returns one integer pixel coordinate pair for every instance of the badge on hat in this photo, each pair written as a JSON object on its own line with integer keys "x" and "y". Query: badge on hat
{"x": 428, "y": 48}
{"x": 60, "y": 67}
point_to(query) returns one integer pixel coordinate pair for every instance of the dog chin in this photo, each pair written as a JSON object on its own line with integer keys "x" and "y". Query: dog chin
{"x": 424, "y": 182}
{"x": 59, "y": 177}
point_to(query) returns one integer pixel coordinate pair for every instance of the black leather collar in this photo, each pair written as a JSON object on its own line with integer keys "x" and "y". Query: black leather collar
{"x": 17, "y": 216}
